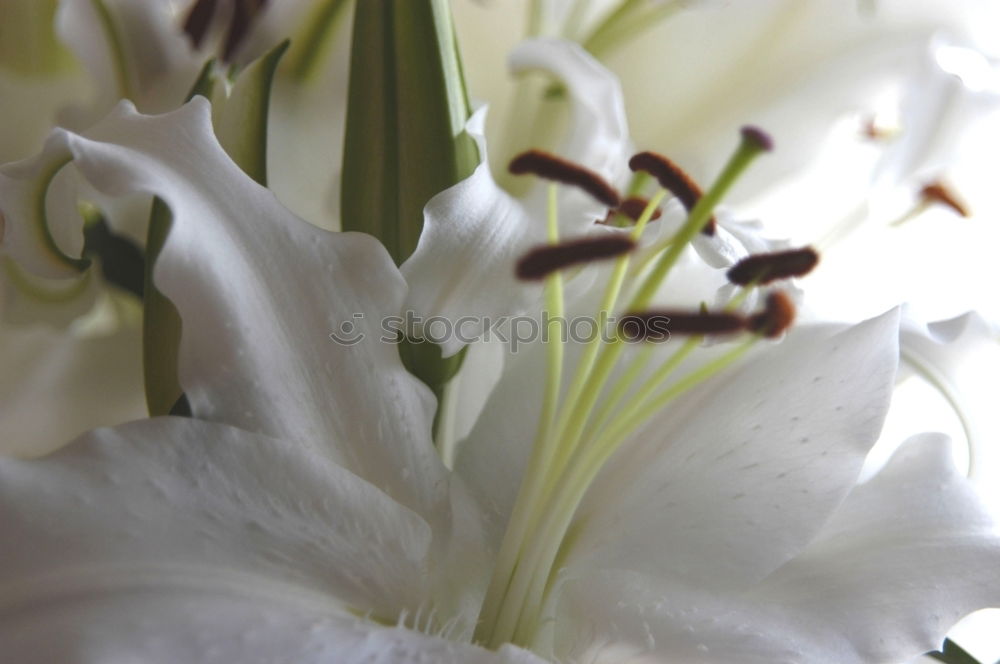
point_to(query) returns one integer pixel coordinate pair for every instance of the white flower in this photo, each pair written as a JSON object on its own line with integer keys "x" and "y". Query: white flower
{"x": 72, "y": 344}
{"x": 306, "y": 511}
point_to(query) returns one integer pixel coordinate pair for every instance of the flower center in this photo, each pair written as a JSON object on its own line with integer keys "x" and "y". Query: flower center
{"x": 582, "y": 425}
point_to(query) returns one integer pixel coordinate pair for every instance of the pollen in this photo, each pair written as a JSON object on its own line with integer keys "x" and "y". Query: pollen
{"x": 659, "y": 325}
{"x": 938, "y": 192}
{"x": 544, "y": 260}
{"x": 631, "y": 208}
{"x": 672, "y": 178}
{"x": 758, "y": 138}
{"x": 551, "y": 167}
{"x": 778, "y": 316}
{"x": 762, "y": 269}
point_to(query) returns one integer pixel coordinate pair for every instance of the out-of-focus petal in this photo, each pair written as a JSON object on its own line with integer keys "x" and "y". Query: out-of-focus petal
{"x": 903, "y": 559}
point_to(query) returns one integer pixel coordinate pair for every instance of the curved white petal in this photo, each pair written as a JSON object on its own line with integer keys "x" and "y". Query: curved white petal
{"x": 173, "y": 540}
{"x": 28, "y": 229}
{"x": 132, "y": 49}
{"x": 903, "y": 559}
{"x": 260, "y": 292}
{"x": 736, "y": 477}
{"x": 598, "y": 137}
{"x": 57, "y": 384}
{"x": 196, "y": 626}
{"x": 960, "y": 358}
{"x": 463, "y": 265}
{"x": 475, "y": 231}
{"x": 174, "y": 502}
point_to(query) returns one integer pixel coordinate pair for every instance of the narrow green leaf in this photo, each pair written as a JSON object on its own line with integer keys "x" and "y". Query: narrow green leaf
{"x": 952, "y": 653}
{"x": 405, "y": 138}
{"x": 240, "y": 122}
{"x": 240, "y": 119}
{"x": 161, "y": 323}
{"x": 406, "y": 113}
{"x": 314, "y": 38}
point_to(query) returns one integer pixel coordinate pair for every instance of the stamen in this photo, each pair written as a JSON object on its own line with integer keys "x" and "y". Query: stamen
{"x": 762, "y": 269}
{"x": 244, "y": 13}
{"x": 632, "y": 208}
{"x": 198, "y": 20}
{"x": 938, "y": 192}
{"x": 657, "y": 326}
{"x": 758, "y": 137}
{"x": 551, "y": 167}
{"x": 672, "y": 178}
{"x": 778, "y": 316}
{"x": 543, "y": 261}
{"x": 878, "y": 131}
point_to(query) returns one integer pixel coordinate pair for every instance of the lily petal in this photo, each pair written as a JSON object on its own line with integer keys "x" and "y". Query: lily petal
{"x": 178, "y": 540}
{"x": 904, "y": 558}
{"x": 196, "y": 626}
{"x": 798, "y": 419}
{"x": 260, "y": 292}
{"x": 172, "y": 502}
{"x": 960, "y": 357}
{"x": 475, "y": 231}
{"x": 598, "y": 136}
{"x": 705, "y": 480}
{"x": 47, "y": 395}
{"x": 132, "y": 49}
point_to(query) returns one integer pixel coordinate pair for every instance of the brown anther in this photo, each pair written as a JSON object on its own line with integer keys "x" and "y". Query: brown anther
{"x": 244, "y": 14}
{"x": 659, "y": 325}
{"x": 762, "y": 269}
{"x": 778, "y": 316}
{"x": 672, "y": 178}
{"x": 546, "y": 259}
{"x": 551, "y": 167}
{"x": 757, "y": 137}
{"x": 876, "y": 132}
{"x": 199, "y": 19}
{"x": 631, "y": 208}
{"x": 938, "y": 192}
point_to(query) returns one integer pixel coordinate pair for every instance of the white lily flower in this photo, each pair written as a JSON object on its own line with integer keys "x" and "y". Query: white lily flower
{"x": 305, "y": 516}
{"x": 136, "y": 49}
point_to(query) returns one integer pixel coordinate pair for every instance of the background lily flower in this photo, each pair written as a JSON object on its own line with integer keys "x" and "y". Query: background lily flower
{"x": 311, "y": 510}
{"x": 141, "y": 51}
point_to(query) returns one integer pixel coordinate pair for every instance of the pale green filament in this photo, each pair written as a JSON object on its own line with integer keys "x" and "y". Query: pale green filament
{"x": 696, "y": 221}
{"x": 629, "y": 19}
{"x": 554, "y": 306}
{"x": 545, "y": 443}
{"x": 565, "y": 460}
{"x": 499, "y": 613}
{"x": 543, "y": 550}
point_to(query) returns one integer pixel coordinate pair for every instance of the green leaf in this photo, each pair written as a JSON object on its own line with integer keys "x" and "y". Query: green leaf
{"x": 240, "y": 121}
{"x": 161, "y": 323}
{"x": 314, "y": 38}
{"x": 405, "y": 138}
{"x": 407, "y": 108}
{"x": 952, "y": 653}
